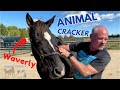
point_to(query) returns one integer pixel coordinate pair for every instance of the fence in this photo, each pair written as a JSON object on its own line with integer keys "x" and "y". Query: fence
{"x": 7, "y": 47}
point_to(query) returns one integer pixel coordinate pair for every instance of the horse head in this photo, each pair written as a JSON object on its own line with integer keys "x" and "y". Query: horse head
{"x": 43, "y": 44}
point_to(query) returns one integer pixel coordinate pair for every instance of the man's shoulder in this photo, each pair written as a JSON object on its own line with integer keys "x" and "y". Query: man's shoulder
{"x": 84, "y": 44}
{"x": 76, "y": 46}
{"x": 104, "y": 54}
{"x": 80, "y": 43}
{"x": 105, "y": 51}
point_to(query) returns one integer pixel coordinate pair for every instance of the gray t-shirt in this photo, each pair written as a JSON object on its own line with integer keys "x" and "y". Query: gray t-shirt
{"x": 103, "y": 57}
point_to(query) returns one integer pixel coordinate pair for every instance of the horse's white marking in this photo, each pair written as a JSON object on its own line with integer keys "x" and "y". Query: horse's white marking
{"x": 48, "y": 38}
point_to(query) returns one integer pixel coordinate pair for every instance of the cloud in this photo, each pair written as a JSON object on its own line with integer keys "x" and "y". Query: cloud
{"x": 100, "y": 17}
{"x": 110, "y": 20}
{"x": 71, "y": 12}
{"x": 35, "y": 20}
{"x": 97, "y": 15}
{"x": 109, "y": 16}
{"x": 86, "y": 25}
{"x": 75, "y": 13}
{"x": 78, "y": 13}
{"x": 118, "y": 15}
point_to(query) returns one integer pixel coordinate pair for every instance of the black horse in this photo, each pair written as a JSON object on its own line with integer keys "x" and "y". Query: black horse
{"x": 50, "y": 64}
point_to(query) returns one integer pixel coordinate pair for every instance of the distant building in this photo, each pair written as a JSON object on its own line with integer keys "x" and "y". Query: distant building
{"x": 1, "y": 41}
{"x": 7, "y": 40}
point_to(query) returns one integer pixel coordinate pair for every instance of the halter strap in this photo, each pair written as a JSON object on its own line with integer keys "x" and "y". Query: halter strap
{"x": 45, "y": 55}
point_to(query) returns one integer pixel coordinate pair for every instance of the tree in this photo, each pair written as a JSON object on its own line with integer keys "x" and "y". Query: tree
{"x": 118, "y": 35}
{"x": 60, "y": 36}
{"x": 66, "y": 38}
{"x": 71, "y": 38}
{"x": 24, "y": 33}
{"x": 16, "y": 33}
{"x": 2, "y": 30}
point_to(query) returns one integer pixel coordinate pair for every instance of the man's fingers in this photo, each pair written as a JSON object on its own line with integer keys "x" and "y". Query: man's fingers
{"x": 62, "y": 53}
{"x": 61, "y": 50}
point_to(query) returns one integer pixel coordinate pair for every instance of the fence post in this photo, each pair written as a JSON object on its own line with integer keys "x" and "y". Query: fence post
{"x": 8, "y": 47}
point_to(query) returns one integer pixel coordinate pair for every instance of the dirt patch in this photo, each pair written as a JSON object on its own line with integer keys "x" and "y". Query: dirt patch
{"x": 19, "y": 71}
{"x": 112, "y": 71}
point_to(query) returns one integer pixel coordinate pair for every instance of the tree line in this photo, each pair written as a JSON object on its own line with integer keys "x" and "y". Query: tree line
{"x": 23, "y": 32}
{"x": 114, "y": 35}
{"x": 13, "y": 31}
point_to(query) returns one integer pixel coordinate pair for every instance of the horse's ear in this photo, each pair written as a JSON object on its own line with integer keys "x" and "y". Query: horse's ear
{"x": 29, "y": 20}
{"x": 50, "y": 21}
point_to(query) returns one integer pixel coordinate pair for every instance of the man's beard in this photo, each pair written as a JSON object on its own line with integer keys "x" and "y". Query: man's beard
{"x": 101, "y": 48}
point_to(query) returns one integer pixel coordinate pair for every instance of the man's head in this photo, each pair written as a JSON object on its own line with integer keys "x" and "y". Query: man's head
{"x": 99, "y": 37}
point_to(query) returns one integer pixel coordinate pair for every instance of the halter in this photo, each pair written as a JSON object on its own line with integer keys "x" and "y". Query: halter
{"x": 44, "y": 55}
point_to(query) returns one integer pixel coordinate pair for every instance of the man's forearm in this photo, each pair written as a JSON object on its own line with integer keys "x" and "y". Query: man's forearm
{"x": 81, "y": 68}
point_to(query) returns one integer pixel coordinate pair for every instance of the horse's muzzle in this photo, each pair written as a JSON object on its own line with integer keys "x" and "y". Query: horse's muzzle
{"x": 59, "y": 72}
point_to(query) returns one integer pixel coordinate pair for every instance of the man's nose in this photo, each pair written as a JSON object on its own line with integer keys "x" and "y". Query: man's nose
{"x": 103, "y": 41}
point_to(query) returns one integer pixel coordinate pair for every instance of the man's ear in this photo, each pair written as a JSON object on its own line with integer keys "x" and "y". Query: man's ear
{"x": 29, "y": 20}
{"x": 90, "y": 36}
{"x": 50, "y": 21}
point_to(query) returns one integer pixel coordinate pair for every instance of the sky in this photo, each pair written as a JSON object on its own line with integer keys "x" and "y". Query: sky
{"x": 110, "y": 19}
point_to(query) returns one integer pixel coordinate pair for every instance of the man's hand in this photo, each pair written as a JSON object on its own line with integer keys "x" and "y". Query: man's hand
{"x": 63, "y": 52}
{"x": 66, "y": 47}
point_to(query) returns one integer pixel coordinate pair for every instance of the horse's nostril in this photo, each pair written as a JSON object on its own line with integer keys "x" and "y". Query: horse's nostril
{"x": 57, "y": 71}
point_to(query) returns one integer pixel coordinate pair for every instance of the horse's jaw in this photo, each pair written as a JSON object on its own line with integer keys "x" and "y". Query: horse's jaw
{"x": 50, "y": 73}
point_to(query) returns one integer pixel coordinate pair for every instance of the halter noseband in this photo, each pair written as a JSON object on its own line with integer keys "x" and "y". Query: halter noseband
{"x": 45, "y": 55}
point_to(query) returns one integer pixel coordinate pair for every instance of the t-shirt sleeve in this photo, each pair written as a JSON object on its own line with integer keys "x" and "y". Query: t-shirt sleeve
{"x": 101, "y": 61}
{"x": 60, "y": 41}
{"x": 100, "y": 64}
{"x": 76, "y": 46}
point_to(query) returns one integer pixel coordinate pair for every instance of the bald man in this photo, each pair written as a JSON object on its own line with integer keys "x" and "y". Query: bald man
{"x": 92, "y": 57}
